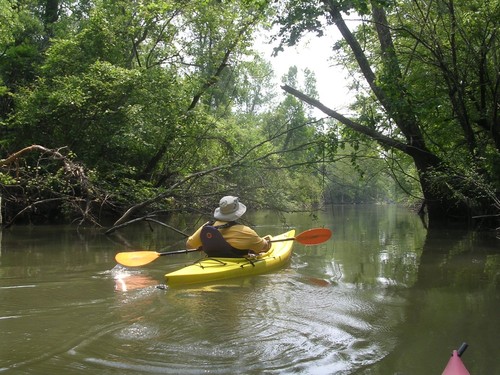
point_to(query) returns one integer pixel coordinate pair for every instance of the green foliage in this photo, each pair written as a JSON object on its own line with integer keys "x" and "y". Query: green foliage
{"x": 122, "y": 189}
{"x": 8, "y": 22}
{"x": 7, "y": 179}
{"x": 297, "y": 17}
{"x": 96, "y": 113}
{"x": 161, "y": 101}
{"x": 20, "y": 65}
{"x": 426, "y": 76}
{"x": 457, "y": 53}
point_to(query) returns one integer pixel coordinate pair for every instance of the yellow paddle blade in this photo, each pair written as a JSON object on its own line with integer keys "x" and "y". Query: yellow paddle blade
{"x": 136, "y": 258}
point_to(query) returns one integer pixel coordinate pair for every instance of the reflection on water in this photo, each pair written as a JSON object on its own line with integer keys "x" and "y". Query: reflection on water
{"x": 381, "y": 297}
{"x": 127, "y": 279}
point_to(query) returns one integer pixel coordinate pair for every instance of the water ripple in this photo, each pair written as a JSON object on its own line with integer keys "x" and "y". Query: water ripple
{"x": 274, "y": 324}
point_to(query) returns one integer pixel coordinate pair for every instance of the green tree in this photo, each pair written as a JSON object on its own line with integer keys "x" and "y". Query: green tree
{"x": 430, "y": 73}
{"x": 164, "y": 104}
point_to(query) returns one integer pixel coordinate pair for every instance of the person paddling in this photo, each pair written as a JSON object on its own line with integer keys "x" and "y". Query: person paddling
{"x": 225, "y": 237}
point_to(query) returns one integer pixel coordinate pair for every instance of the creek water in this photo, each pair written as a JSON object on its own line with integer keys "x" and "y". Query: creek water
{"x": 382, "y": 296}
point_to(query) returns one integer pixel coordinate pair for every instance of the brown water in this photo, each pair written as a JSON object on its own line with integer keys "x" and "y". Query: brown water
{"x": 383, "y": 296}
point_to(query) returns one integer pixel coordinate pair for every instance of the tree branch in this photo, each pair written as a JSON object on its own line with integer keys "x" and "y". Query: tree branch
{"x": 379, "y": 137}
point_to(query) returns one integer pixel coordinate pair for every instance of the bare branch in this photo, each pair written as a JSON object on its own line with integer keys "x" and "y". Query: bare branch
{"x": 144, "y": 218}
{"x": 30, "y": 207}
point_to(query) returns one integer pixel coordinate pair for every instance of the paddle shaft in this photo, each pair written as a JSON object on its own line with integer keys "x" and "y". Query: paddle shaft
{"x": 285, "y": 239}
{"x": 139, "y": 258}
{"x": 309, "y": 237}
{"x": 185, "y": 251}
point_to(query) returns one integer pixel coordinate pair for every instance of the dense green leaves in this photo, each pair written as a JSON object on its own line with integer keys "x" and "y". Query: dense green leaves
{"x": 428, "y": 87}
{"x": 164, "y": 102}
{"x": 165, "y": 105}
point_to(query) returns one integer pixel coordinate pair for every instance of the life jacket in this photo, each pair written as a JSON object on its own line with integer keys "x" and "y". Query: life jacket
{"x": 214, "y": 244}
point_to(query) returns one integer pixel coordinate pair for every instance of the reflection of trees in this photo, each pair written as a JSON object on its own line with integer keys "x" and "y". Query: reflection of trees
{"x": 454, "y": 299}
{"x": 458, "y": 258}
{"x": 447, "y": 279}
{"x": 378, "y": 245}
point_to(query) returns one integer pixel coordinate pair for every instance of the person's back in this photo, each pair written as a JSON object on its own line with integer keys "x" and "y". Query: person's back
{"x": 214, "y": 244}
{"x": 240, "y": 239}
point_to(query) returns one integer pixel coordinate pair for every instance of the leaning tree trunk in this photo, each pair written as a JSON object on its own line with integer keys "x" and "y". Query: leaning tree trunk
{"x": 391, "y": 92}
{"x": 441, "y": 206}
{"x": 439, "y": 203}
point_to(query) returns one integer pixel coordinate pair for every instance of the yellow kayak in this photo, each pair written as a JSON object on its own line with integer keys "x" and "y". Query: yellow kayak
{"x": 211, "y": 269}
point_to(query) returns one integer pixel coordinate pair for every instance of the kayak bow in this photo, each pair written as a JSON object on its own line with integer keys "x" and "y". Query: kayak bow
{"x": 455, "y": 365}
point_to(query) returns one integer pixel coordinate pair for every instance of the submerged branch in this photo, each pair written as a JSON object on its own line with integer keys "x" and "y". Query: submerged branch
{"x": 147, "y": 218}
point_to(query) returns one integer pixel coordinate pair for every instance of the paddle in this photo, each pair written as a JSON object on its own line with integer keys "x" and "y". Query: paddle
{"x": 140, "y": 258}
{"x": 310, "y": 237}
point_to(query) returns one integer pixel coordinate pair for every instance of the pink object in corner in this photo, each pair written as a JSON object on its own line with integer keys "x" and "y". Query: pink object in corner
{"x": 455, "y": 366}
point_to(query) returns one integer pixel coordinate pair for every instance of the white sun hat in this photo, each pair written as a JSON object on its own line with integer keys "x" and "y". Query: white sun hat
{"x": 230, "y": 209}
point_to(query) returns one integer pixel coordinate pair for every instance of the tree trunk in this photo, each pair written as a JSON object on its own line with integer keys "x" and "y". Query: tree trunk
{"x": 440, "y": 204}
{"x": 390, "y": 91}
{"x": 51, "y": 11}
